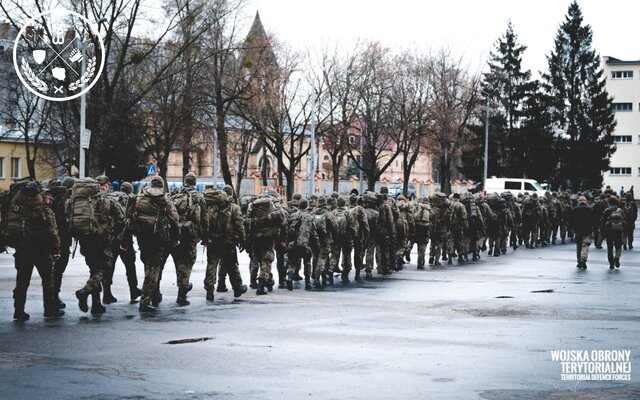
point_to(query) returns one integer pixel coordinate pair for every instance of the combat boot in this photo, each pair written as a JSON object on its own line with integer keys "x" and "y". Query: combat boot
{"x": 261, "y": 290}
{"x": 53, "y": 312}
{"x": 357, "y": 275}
{"x": 444, "y": 257}
{"x": 328, "y": 277}
{"x": 460, "y": 258}
{"x": 420, "y": 266}
{"x": 157, "y": 299}
{"x": 282, "y": 282}
{"x": 368, "y": 274}
{"x": 616, "y": 261}
{"x": 490, "y": 252}
{"x": 20, "y": 316}
{"x": 289, "y": 281}
{"x": 182, "y": 297}
{"x": 82, "y": 295}
{"x": 253, "y": 283}
{"x": 269, "y": 284}
{"x": 96, "y": 305}
{"x": 134, "y": 294}
{"x": 59, "y": 303}
{"x": 430, "y": 260}
{"x": 210, "y": 295}
{"x": 144, "y": 307}
{"x": 239, "y": 291}
{"x": 450, "y": 259}
{"x": 107, "y": 297}
{"x": 297, "y": 277}
{"x": 475, "y": 256}
{"x": 222, "y": 287}
{"x": 345, "y": 276}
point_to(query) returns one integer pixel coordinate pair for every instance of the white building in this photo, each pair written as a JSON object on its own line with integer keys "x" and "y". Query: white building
{"x": 623, "y": 84}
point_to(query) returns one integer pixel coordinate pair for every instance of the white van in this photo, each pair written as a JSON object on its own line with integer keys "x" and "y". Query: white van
{"x": 514, "y": 185}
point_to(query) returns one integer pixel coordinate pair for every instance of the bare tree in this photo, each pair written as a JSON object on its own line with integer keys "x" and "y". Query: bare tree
{"x": 455, "y": 97}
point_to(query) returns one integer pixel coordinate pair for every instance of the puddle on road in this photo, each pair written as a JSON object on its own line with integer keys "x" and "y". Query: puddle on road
{"x": 190, "y": 340}
{"x": 542, "y": 291}
{"x": 504, "y": 297}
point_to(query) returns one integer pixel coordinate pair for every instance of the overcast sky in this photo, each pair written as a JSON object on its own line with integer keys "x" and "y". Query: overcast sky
{"x": 468, "y": 27}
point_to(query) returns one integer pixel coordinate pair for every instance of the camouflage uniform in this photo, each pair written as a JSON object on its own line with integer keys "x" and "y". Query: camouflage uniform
{"x": 405, "y": 246}
{"x": 221, "y": 237}
{"x": 185, "y": 253}
{"x": 326, "y": 229}
{"x": 543, "y": 224}
{"x": 361, "y": 235}
{"x": 36, "y": 249}
{"x": 60, "y": 194}
{"x": 458, "y": 228}
{"x": 154, "y": 244}
{"x": 496, "y": 226}
{"x": 222, "y": 272}
{"x": 613, "y": 225}
{"x": 475, "y": 231}
{"x": 370, "y": 206}
{"x": 631, "y": 213}
{"x": 422, "y": 218}
{"x": 598, "y": 210}
{"x": 263, "y": 245}
{"x": 530, "y": 217}
{"x": 582, "y": 221}
{"x": 303, "y": 243}
{"x": 439, "y": 226}
{"x": 342, "y": 244}
{"x": 385, "y": 234}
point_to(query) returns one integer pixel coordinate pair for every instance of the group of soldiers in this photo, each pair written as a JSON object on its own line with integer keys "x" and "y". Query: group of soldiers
{"x": 311, "y": 239}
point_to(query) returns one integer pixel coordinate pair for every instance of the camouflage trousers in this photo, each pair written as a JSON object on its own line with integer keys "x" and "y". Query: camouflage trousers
{"x": 370, "y": 248}
{"x": 152, "y": 251}
{"x": 614, "y": 240}
{"x": 437, "y": 242}
{"x": 184, "y": 256}
{"x": 263, "y": 254}
{"x": 128, "y": 257}
{"x": 339, "y": 248}
{"x": 98, "y": 256}
{"x": 26, "y": 258}
{"x": 422, "y": 251}
{"x": 627, "y": 238}
{"x": 455, "y": 242}
{"x": 582, "y": 247}
{"x": 385, "y": 255}
{"x": 293, "y": 258}
{"x": 359, "y": 250}
{"x": 61, "y": 265}
{"x": 563, "y": 229}
{"x": 225, "y": 257}
{"x": 321, "y": 260}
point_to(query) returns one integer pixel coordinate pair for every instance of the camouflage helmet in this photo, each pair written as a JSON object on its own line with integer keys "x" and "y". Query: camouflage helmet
{"x": 335, "y": 195}
{"x": 331, "y": 201}
{"x": 322, "y": 201}
{"x": 126, "y": 187}
{"x": 353, "y": 199}
{"x": 341, "y": 202}
{"x": 68, "y": 182}
{"x": 228, "y": 189}
{"x": 303, "y": 204}
{"x": 272, "y": 193}
{"x": 296, "y": 196}
{"x": 157, "y": 182}
{"x": 425, "y": 200}
{"x": 384, "y": 190}
{"x": 102, "y": 179}
{"x": 190, "y": 179}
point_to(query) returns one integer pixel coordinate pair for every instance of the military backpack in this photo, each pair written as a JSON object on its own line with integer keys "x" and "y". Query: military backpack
{"x": 616, "y": 220}
{"x": 188, "y": 208}
{"x": 218, "y": 214}
{"x": 151, "y": 211}
{"x": 265, "y": 221}
{"x": 88, "y": 210}
{"x": 20, "y": 205}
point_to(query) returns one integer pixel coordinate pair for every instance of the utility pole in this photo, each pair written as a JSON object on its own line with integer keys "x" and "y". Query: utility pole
{"x": 486, "y": 145}
{"x": 360, "y": 173}
{"x": 83, "y": 117}
{"x": 312, "y": 145}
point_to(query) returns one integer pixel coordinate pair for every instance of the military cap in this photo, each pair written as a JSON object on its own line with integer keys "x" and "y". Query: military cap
{"x": 157, "y": 182}
{"x": 126, "y": 187}
{"x": 331, "y": 201}
{"x": 425, "y": 200}
{"x": 190, "y": 179}
{"x": 322, "y": 201}
{"x": 102, "y": 179}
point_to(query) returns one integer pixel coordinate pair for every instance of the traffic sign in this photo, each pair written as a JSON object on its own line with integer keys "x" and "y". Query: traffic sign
{"x": 151, "y": 170}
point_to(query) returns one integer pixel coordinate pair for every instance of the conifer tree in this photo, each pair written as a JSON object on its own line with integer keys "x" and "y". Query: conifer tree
{"x": 581, "y": 109}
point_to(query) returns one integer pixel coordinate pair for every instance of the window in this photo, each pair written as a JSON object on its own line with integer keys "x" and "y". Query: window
{"x": 15, "y": 167}
{"x": 352, "y": 139}
{"x": 2, "y": 168}
{"x": 621, "y": 74}
{"x": 512, "y": 185}
{"x": 529, "y": 187}
{"x": 620, "y": 171}
{"x": 622, "y": 107}
{"x": 622, "y": 139}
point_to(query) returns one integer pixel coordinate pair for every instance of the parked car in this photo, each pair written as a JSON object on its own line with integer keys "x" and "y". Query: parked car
{"x": 514, "y": 185}
{"x": 395, "y": 190}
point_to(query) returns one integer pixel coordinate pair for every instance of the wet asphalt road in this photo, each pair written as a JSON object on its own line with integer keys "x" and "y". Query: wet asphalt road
{"x": 435, "y": 334}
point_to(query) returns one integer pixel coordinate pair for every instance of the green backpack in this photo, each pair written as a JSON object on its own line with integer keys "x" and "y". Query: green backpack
{"x": 88, "y": 210}
{"x": 22, "y": 202}
{"x": 150, "y": 215}
{"x": 188, "y": 208}
{"x": 615, "y": 222}
{"x": 218, "y": 215}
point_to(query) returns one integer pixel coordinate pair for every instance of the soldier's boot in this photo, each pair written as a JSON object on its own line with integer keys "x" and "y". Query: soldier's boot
{"x": 444, "y": 257}
{"x": 368, "y": 274}
{"x": 283, "y": 282}
{"x": 82, "y": 295}
{"x": 296, "y": 276}
{"x": 59, "y": 303}
{"x": 490, "y": 252}
{"x": 431, "y": 260}
{"x": 239, "y": 291}
{"x": 399, "y": 262}
{"x": 182, "y": 297}
{"x": 253, "y": 284}
{"x": 209, "y": 296}
{"x": 496, "y": 253}
{"x": 134, "y": 293}
{"x": 157, "y": 299}
{"x": 357, "y": 274}
{"x": 407, "y": 255}
{"x": 51, "y": 305}
{"x": 96, "y": 305}
{"x": 460, "y": 258}
{"x": 144, "y": 307}
{"x": 18, "y": 305}
{"x": 269, "y": 284}
{"x": 289, "y": 281}
{"x": 345, "y": 276}
{"x": 316, "y": 282}
{"x": 328, "y": 277}
{"x": 307, "y": 283}
{"x": 222, "y": 287}
{"x": 450, "y": 259}
{"x": 261, "y": 288}
{"x": 475, "y": 256}
{"x": 616, "y": 261}
{"x": 107, "y": 297}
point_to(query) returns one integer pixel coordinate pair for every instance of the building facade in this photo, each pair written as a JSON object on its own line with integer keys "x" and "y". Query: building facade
{"x": 623, "y": 84}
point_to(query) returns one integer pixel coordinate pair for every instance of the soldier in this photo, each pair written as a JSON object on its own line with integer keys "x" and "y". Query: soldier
{"x": 281, "y": 244}
{"x": 422, "y": 218}
{"x": 122, "y": 248}
{"x": 265, "y": 224}
{"x": 385, "y": 235}
{"x": 515, "y": 224}
{"x": 370, "y": 203}
{"x": 582, "y": 221}
{"x": 362, "y": 232}
{"x": 326, "y": 229}
{"x": 292, "y": 206}
{"x": 189, "y": 204}
{"x": 543, "y": 224}
{"x": 458, "y": 228}
{"x": 439, "y": 226}
{"x": 157, "y": 226}
{"x": 342, "y": 243}
{"x": 598, "y": 210}
{"x": 222, "y": 272}
{"x": 60, "y": 193}
{"x": 564, "y": 211}
{"x": 96, "y": 220}
{"x": 303, "y": 243}
{"x": 488, "y": 218}
{"x": 476, "y": 227}
{"x": 407, "y": 208}
{"x": 613, "y": 225}
{"x": 530, "y": 215}
{"x": 554, "y": 215}
{"x": 631, "y": 213}
{"x": 30, "y": 228}
{"x": 222, "y": 230}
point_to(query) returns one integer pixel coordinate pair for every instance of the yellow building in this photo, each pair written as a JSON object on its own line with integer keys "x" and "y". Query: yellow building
{"x": 13, "y": 160}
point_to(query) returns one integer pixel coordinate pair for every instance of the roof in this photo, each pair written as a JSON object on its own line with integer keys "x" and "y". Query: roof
{"x": 614, "y": 61}
{"x": 13, "y": 136}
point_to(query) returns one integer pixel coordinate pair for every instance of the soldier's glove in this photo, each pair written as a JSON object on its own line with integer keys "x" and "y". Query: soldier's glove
{"x": 56, "y": 256}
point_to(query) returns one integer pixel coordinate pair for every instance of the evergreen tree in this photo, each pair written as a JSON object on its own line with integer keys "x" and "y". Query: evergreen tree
{"x": 507, "y": 85}
{"x": 581, "y": 109}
